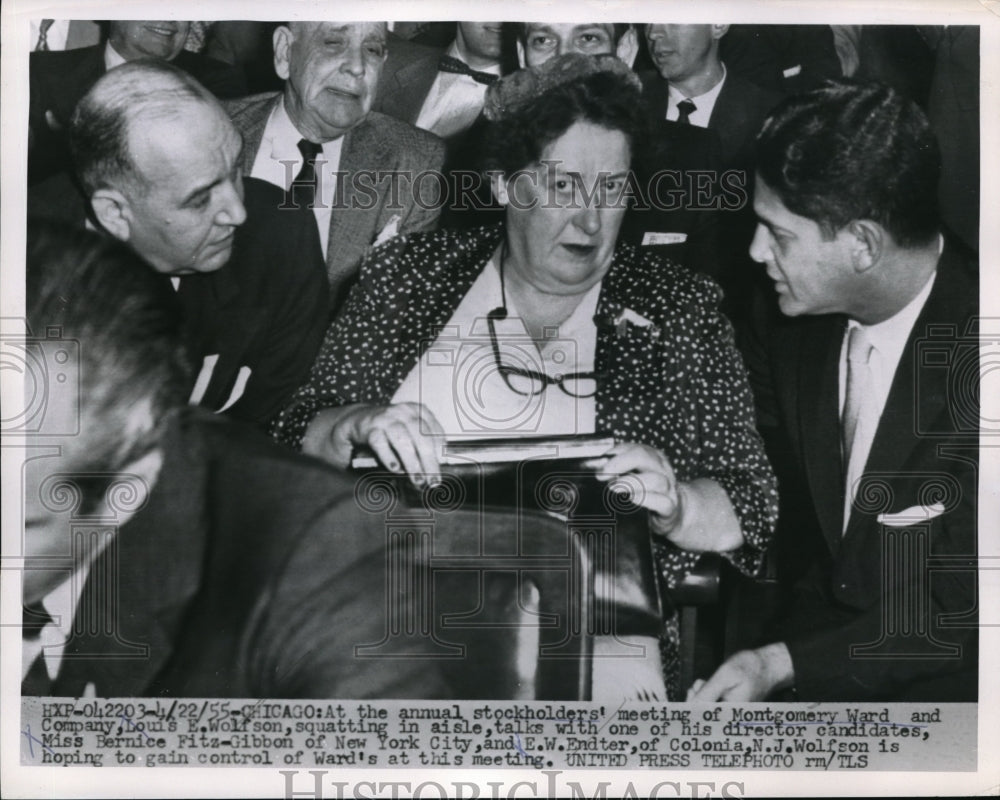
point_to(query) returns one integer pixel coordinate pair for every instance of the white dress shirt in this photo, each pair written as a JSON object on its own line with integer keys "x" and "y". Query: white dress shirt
{"x": 454, "y": 100}
{"x": 888, "y": 339}
{"x": 55, "y": 36}
{"x": 112, "y": 58}
{"x": 279, "y": 160}
{"x": 703, "y": 103}
{"x": 457, "y": 380}
{"x": 60, "y": 604}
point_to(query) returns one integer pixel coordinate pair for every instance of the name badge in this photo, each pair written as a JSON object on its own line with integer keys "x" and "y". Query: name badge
{"x": 650, "y": 238}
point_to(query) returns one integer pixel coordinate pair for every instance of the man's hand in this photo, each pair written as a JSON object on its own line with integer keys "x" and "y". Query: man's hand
{"x": 747, "y": 675}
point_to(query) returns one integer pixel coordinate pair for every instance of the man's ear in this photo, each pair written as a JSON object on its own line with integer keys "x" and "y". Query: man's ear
{"x": 498, "y": 185}
{"x": 112, "y": 210}
{"x": 867, "y": 242}
{"x": 281, "y": 39}
{"x": 718, "y": 31}
{"x": 146, "y": 471}
{"x": 628, "y": 46}
{"x": 520, "y": 54}
{"x": 138, "y": 422}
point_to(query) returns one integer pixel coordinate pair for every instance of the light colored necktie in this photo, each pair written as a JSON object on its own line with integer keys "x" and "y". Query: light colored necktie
{"x": 43, "y": 34}
{"x": 857, "y": 407}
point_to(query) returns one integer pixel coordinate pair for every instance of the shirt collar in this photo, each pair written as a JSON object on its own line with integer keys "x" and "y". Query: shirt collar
{"x": 890, "y": 335}
{"x": 285, "y": 137}
{"x": 703, "y": 100}
{"x": 283, "y": 134}
{"x": 61, "y": 602}
{"x": 112, "y": 58}
{"x": 453, "y": 51}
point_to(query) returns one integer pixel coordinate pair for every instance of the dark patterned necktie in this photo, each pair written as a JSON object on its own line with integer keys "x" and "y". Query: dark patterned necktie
{"x": 685, "y": 108}
{"x": 303, "y": 188}
{"x": 43, "y": 34}
{"x": 449, "y": 64}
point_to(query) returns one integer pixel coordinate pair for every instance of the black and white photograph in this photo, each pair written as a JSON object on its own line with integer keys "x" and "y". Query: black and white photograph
{"x": 596, "y": 402}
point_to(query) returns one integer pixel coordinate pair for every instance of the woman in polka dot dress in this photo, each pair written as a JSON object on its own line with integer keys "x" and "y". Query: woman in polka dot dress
{"x": 545, "y": 324}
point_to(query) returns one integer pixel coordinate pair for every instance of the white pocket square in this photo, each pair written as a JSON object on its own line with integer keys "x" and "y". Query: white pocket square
{"x": 391, "y": 229}
{"x": 651, "y": 237}
{"x": 911, "y": 515}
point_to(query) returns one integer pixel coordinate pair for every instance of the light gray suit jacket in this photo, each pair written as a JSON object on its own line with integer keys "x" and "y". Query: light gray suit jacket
{"x": 366, "y": 202}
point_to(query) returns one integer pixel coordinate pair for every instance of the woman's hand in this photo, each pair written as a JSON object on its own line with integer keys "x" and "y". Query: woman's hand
{"x": 696, "y": 515}
{"x": 404, "y": 437}
{"x": 661, "y": 491}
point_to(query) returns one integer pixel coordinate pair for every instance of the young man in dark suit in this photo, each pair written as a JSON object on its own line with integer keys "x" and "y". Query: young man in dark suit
{"x": 692, "y": 87}
{"x": 441, "y": 91}
{"x": 868, "y": 391}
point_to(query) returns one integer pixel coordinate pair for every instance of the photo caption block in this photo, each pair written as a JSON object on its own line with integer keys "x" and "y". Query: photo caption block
{"x": 487, "y": 734}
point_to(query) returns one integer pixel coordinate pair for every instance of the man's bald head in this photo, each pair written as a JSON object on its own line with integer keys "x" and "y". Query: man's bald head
{"x": 161, "y": 164}
{"x": 99, "y": 130}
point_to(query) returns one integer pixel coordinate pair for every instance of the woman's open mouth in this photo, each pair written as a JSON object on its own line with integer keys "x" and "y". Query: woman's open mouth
{"x": 580, "y": 250}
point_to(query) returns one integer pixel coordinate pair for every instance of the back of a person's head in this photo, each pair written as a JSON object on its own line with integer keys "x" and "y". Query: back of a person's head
{"x": 850, "y": 151}
{"x": 99, "y": 127}
{"x": 124, "y": 322}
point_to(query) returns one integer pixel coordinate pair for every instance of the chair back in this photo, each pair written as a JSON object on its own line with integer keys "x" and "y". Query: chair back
{"x": 514, "y": 596}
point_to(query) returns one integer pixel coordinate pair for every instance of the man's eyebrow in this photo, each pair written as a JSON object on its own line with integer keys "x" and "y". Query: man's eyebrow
{"x": 200, "y": 190}
{"x": 575, "y": 173}
{"x": 770, "y": 224}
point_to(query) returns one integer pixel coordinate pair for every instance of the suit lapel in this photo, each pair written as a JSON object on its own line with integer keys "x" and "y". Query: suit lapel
{"x": 727, "y": 118}
{"x": 82, "y": 33}
{"x": 251, "y": 121}
{"x": 915, "y": 391}
{"x": 352, "y": 224}
{"x": 655, "y": 90}
{"x": 139, "y": 590}
{"x": 85, "y": 73}
{"x": 412, "y": 84}
{"x": 818, "y": 392}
